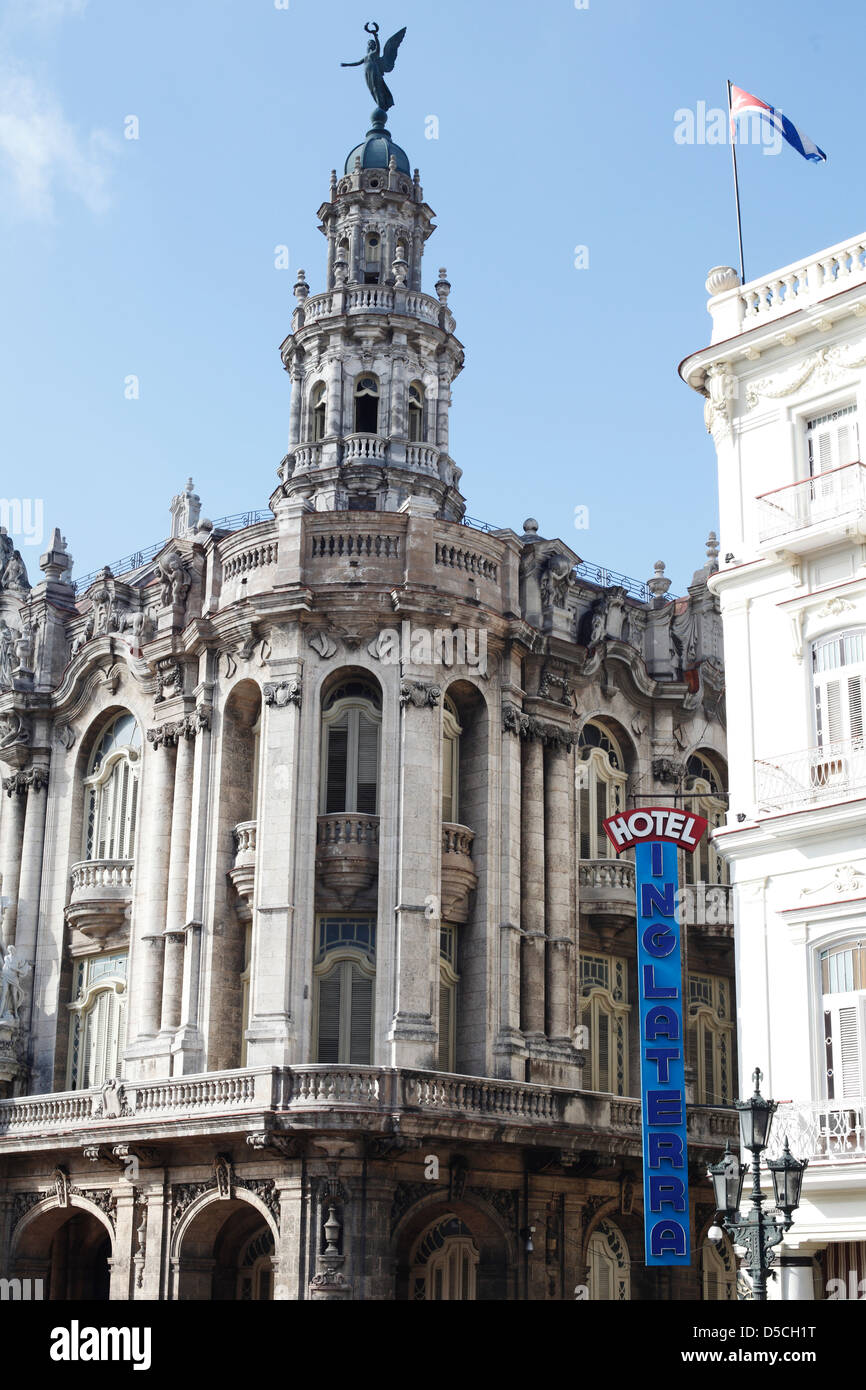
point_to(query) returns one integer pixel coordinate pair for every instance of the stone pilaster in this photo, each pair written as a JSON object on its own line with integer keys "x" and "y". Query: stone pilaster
{"x": 14, "y": 809}
{"x": 532, "y": 907}
{"x": 176, "y": 890}
{"x": 151, "y": 889}
{"x": 508, "y": 1047}
{"x": 557, "y": 893}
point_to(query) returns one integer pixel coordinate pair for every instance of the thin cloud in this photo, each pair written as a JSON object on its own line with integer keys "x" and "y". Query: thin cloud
{"x": 42, "y": 153}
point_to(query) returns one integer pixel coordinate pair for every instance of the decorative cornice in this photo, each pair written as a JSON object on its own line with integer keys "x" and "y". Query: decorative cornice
{"x": 168, "y": 735}
{"x": 283, "y": 693}
{"x": 529, "y": 726}
{"x": 828, "y": 363}
{"x": 34, "y": 779}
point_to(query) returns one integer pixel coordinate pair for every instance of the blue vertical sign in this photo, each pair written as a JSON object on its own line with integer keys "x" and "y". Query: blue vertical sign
{"x": 656, "y": 833}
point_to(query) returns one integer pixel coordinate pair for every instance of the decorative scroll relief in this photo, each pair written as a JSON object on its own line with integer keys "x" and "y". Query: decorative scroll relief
{"x": 282, "y": 693}
{"x": 827, "y": 365}
{"x": 419, "y": 693}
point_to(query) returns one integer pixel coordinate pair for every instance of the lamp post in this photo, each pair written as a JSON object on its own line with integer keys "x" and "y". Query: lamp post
{"x": 759, "y": 1231}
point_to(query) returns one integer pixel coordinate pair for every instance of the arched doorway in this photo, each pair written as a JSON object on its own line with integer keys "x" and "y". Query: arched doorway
{"x": 225, "y": 1253}
{"x": 69, "y": 1249}
{"x": 609, "y": 1265}
{"x": 448, "y": 1251}
{"x": 445, "y": 1263}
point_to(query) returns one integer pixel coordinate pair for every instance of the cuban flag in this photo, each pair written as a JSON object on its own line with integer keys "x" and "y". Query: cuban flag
{"x": 744, "y": 104}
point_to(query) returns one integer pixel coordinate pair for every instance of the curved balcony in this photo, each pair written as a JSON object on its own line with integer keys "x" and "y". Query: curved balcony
{"x": 372, "y": 299}
{"x": 606, "y": 887}
{"x": 365, "y": 448}
{"x": 101, "y": 896}
{"x": 243, "y": 871}
{"x": 347, "y": 857}
{"x": 459, "y": 879}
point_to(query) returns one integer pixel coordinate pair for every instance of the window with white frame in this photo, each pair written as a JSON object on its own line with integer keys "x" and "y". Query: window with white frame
{"x": 705, "y": 797}
{"x": 712, "y": 1027}
{"x": 839, "y": 685}
{"x": 832, "y": 440}
{"x": 601, "y": 780}
{"x": 351, "y": 722}
{"x": 451, "y": 731}
{"x": 97, "y": 1028}
{"x": 843, "y": 989}
{"x": 111, "y": 791}
{"x": 445, "y": 1263}
{"x": 448, "y": 982}
{"x": 603, "y": 1008}
{"x": 345, "y": 978}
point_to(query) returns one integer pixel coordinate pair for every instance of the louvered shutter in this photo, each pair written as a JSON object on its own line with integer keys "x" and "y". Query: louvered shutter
{"x": 103, "y": 1027}
{"x": 446, "y": 1062}
{"x": 133, "y": 813}
{"x": 448, "y": 780}
{"x": 585, "y": 814}
{"x": 603, "y": 1051}
{"x": 328, "y": 1049}
{"x": 361, "y": 1026}
{"x": 847, "y": 1046}
{"x": 368, "y": 765}
{"x": 338, "y": 745}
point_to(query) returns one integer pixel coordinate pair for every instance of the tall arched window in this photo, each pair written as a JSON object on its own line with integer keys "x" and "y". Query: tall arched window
{"x": 712, "y": 1022}
{"x": 351, "y": 719}
{"x": 718, "y": 1271}
{"x": 318, "y": 399}
{"x": 111, "y": 790}
{"x": 416, "y": 412}
{"x": 448, "y": 982}
{"x": 345, "y": 977}
{"x": 705, "y": 796}
{"x": 603, "y": 1007}
{"x": 601, "y": 781}
{"x": 609, "y": 1265}
{"x": 451, "y": 731}
{"x": 843, "y": 999}
{"x": 367, "y": 405}
{"x": 98, "y": 1020}
{"x": 445, "y": 1263}
{"x": 372, "y": 258}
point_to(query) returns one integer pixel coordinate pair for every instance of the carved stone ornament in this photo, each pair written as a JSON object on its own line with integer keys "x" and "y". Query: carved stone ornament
{"x": 65, "y": 735}
{"x": 847, "y": 878}
{"x": 169, "y": 680}
{"x": 721, "y": 388}
{"x": 828, "y": 365}
{"x": 34, "y": 779}
{"x": 283, "y": 693}
{"x": 419, "y": 693}
{"x": 667, "y": 770}
{"x": 322, "y": 644}
{"x": 168, "y": 735}
{"x": 15, "y": 734}
{"x": 223, "y": 1176}
{"x": 529, "y": 726}
{"x": 557, "y": 679}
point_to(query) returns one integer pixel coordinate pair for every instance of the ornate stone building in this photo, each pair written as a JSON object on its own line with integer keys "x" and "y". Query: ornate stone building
{"x": 319, "y": 977}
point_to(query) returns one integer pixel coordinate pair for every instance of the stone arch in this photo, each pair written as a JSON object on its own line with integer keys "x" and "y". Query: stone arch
{"x": 211, "y": 1241}
{"x": 68, "y": 1247}
{"x": 496, "y": 1272}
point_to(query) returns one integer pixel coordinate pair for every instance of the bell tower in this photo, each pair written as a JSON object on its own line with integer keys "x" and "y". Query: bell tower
{"x": 372, "y": 356}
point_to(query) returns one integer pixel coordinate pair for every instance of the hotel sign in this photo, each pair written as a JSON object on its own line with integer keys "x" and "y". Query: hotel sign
{"x": 656, "y": 833}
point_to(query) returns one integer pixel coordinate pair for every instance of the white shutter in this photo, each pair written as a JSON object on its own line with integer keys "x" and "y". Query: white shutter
{"x": 847, "y": 1044}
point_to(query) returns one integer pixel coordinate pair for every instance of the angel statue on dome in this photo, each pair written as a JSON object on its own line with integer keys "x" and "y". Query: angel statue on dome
{"x": 376, "y": 63}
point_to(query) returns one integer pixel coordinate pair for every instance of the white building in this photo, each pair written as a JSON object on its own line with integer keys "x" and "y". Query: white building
{"x": 785, "y": 385}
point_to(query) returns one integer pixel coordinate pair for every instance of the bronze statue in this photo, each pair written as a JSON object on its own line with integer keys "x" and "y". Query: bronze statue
{"x": 378, "y": 62}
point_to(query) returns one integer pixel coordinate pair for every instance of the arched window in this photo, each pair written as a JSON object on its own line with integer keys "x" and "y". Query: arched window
{"x": 111, "y": 790}
{"x": 372, "y": 258}
{"x": 451, "y": 731}
{"x": 351, "y": 719}
{"x": 843, "y": 998}
{"x": 448, "y": 982}
{"x": 718, "y": 1271}
{"x": 601, "y": 782}
{"x": 445, "y": 1263}
{"x": 604, "y": 1009}
{"x": 710, "y": 1017}
{"x": 318, "y": 398}
{"x": 609, "y": 1265}
{"x": 256, "y": 1269}
{"x": 98, "y": 1021}
{"x": 345, "y": 977}
{"x": 704, "y": 791}
{"x": 416, "y": 412}
{"x": 367, "y": 405}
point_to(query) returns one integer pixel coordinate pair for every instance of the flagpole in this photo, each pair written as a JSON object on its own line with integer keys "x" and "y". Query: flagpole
{"x": 736, "y": 185}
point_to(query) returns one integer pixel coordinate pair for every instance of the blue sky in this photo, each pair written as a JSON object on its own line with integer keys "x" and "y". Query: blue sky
{"x": 155, "y": 257}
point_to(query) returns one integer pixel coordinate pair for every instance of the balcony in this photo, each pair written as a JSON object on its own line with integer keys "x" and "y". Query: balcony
{"x": 806, "y": 515}
{"x": 606, "y": 887}
{"x": 243, "y": 871}
{"x": 101, "y": 895}
{"x": 347, "y": 858}
{"x": 824, "y": 1131}
{"x": 459, "y": 879}
{"x": 364, "y": 1099}
{"x": 812, "y": 777}
{"x": 372, "y": 299}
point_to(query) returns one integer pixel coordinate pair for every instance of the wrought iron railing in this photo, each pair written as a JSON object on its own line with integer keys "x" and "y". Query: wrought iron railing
{"x": 824, "y": 1131}
{"x": 812, "y": 775}
{"x": 825, "y": 497}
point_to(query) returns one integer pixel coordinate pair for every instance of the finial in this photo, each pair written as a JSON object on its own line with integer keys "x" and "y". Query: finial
{"x": 757, "y": 1077}
{"x": 301, "y": 289}
{"x": 530, "y": 528}
{"x": 400, "y": 266}
{"x": 376, "y": 62}
{"x": 357, "y": 169}
{"x": 443, "y": 285}
{"x": 56, "y": 564}
{"x": 721, "y": 278}
{"x": 659, "y": 584}
{"x": 712, "y": 551}
{"x": 392, "y": 163}
{"x": 333, "y": 185}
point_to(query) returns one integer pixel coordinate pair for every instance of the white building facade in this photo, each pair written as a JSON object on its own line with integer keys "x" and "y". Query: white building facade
{"x": 785, "y": 385}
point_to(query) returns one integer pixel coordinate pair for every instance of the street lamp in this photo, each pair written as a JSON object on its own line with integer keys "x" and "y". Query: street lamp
{"x": 759, "y": 1230}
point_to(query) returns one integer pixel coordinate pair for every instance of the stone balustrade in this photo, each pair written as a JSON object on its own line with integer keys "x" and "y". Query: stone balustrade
{"x": 370, "y": 299}
{"x": 101, "y": 895}
{"x": 800, "y": 285}
{"x": 245, "y": 843}
{"x": 251, "y": 1097}
{"x": 606, "y": 886}
{"x": 347, "y": 857}
{"x": 459, "y": 879}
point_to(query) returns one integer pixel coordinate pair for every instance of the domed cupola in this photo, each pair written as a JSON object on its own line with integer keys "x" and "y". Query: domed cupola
{"x": 372, "y": 357}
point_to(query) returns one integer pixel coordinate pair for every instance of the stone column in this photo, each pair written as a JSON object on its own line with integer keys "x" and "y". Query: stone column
{"x": 295, "y": 408}
{"x": 557, "y": 895}
{"x": 532, "y": 906}
{"x": 151, "y": 879}
{"x": 443, "y": 401}
{"x": 334, "y": 401}
{"x": 14, "y": 810}
{"x": 413, "y": 1033}
{"x": 188, "y": 1045}
{"x": 508, "y": 1047}
{"x": 178, "y": 878}
{"x": 124, "y": 1240}
{"x": 33, "y": 844}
